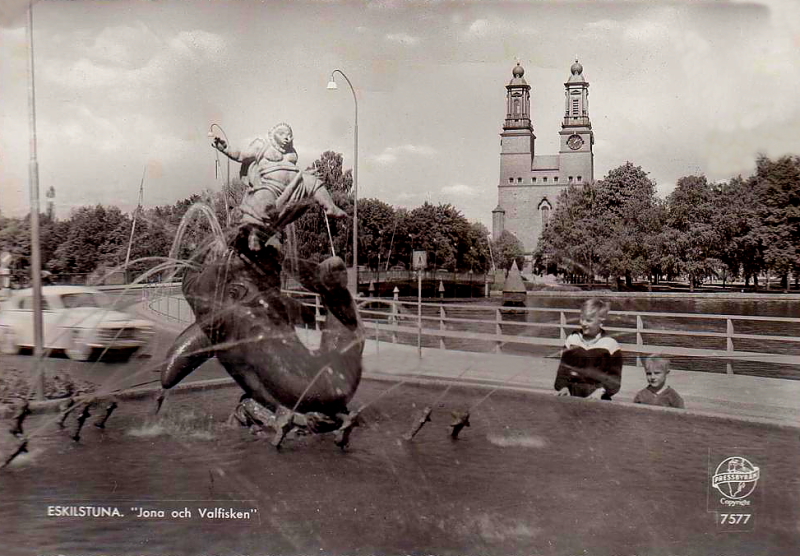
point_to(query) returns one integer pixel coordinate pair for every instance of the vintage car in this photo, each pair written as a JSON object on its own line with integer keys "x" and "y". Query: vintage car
{"x": 80, "y": 321}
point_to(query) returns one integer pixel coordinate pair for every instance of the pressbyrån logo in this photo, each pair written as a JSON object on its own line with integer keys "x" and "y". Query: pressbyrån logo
{"x": 735, "y": 478}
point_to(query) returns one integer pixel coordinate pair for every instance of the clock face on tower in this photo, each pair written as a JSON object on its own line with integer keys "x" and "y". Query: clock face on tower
{"x": 575, "y": 142}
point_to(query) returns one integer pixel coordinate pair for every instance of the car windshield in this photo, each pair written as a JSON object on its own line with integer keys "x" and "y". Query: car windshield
{"x": 83, "y": 299}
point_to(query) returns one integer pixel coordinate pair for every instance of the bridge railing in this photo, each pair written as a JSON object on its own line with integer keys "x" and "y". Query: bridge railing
{"x": 741, "y": 344}
{"x": 716, "y": 343}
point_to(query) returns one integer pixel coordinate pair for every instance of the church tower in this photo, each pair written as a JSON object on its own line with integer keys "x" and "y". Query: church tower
{"x": 517, "y": 138}
{"x": 530, "y": 183}
{"x": 576, "y": 132}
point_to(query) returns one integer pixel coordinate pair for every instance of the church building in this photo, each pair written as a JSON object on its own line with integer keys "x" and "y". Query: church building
{"x": 529, "y": 182}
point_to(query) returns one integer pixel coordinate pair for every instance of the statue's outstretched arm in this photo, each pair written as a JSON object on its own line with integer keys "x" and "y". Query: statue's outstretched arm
{"x": 253, "y": 149}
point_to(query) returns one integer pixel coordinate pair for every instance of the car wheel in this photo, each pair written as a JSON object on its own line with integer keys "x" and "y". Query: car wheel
{"x": 8, "y": 341}
{"x": 78, "y": 350}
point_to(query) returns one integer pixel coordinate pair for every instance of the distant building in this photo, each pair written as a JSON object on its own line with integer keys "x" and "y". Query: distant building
{"x": 529, "y": 182}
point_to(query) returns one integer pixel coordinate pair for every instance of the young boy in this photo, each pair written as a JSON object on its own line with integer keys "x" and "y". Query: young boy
{"x": 591, "y": 363}
{"x": 656, "y": 368}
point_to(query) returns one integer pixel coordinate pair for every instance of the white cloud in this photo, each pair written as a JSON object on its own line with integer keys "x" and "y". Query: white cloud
{"x": 390, "y": 155}
{"x": 460, "y": 190}
{"x": 130, "y": 59}
{"x": 659, "y": 25}
{"x": 403, "y": 38}
{"x": 479, "y": 28}
{"x": 603, "y": 25}
{"x": 198, "y": 42}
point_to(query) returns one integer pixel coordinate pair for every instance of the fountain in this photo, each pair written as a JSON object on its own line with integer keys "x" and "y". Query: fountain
{"x": 243, "y": 320}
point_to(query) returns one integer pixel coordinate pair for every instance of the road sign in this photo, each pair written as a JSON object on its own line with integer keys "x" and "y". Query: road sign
{"x": 420, "y": 260}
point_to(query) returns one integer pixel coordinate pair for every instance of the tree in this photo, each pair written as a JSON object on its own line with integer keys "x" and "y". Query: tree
{"x": 508, "y": 249}
{"x": 693, "y": 238}
{"x": 628, "y": 218}
{"x": 450, "y": 240}
{"x": 375, "y": 225}
{"x": 570, "y": 239}
{"x": 329, "y": 168}
{"x": 310, "y": 237}
{"x": 96, "y": 237}
{"x": 608, "y": 228}
{"x": 778, "y": 186}
{"x": 736, "y": 219}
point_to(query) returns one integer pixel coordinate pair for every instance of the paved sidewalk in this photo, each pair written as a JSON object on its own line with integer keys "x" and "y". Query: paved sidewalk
{"x": 774, "y": 401}
{"x": 754, "y": 399}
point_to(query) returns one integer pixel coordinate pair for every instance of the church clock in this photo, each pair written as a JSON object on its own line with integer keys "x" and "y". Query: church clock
{"x": 575, "y": 142}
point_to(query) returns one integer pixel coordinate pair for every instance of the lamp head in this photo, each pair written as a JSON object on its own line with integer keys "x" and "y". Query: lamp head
{"x": 332, "y": 85}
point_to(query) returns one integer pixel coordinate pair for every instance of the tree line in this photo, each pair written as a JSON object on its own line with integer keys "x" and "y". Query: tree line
{"x": 617, "y": 228}
{"x": 94, "y": 240}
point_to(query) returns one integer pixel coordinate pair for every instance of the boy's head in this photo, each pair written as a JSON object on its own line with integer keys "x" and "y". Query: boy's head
{"x": 656, "y": 369}
{"x": 593, "y": 315}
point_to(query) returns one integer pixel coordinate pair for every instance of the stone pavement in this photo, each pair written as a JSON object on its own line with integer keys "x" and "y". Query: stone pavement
{"x": 738, "y": 397}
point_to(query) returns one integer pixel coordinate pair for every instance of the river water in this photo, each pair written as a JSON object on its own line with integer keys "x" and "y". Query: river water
{"x": 533, "y": 474}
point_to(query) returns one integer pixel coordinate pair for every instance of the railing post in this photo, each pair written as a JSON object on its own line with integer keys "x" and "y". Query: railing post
{"x": 729, "y": 346}
{"x": 377, "y": 339}
{"x": 317, "y": 314}
{"x": 441, "y": 326}
{"x": 498, "y": 330}
{"x": 639, "y": 341}
{"x": 394, "y": 320}
{"x": 563, "y": 324}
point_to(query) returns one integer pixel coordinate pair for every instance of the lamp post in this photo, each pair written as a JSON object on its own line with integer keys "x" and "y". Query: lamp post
{"x": 332, "y": 85}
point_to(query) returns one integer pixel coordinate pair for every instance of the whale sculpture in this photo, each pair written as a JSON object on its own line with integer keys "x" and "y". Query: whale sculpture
{"x": 243, "y": 320}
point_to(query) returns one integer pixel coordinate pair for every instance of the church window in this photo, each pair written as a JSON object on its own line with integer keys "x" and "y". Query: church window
{"x": 555, "y": 179}
{"x": 544, "y": 211}
{"x": 519, "y": 180}
{"x": 579, "y": 178}
{"x": 533, "y": 180}
{"x": 544, "y": 179}
{"x": 570, "y": 179}
{"x": 510, "y": 180}
{"x": 574, "y": 106}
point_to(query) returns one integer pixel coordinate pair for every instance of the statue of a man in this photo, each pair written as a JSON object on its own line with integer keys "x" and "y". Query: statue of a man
{"x": 277, "y": 191}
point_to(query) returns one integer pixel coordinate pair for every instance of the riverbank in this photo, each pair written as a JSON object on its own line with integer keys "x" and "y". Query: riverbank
{"x": 744, "y": 296}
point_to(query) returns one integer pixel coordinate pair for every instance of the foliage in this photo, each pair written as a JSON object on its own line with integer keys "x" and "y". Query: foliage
{"x": 570, "y": 241}
{"x": 507, "y": 249}
{"x": 612, "y": 228}
{"x": 693, "y": 237}
{"x": 608, "y": 228}
{"x": 778, "y": 185}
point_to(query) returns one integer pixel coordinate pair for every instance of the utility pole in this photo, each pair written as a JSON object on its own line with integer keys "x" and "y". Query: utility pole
{"x": 36, "y": 255}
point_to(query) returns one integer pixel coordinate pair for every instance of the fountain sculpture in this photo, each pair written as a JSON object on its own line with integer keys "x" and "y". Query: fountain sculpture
{"x": 244, "y": 320}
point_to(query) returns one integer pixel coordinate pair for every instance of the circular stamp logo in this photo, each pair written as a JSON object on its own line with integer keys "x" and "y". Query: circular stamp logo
{"x": 735, "y": 478}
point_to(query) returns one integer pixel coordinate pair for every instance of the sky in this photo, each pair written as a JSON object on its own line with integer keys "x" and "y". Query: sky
{"x": 128, "y": 88}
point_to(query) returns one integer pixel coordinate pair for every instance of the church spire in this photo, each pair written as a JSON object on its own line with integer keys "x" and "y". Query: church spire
{"x": 576, "y": 110}
{"x": 518, "y": 101}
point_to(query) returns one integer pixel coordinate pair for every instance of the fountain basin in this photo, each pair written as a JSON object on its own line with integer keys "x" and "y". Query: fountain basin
{"x": 532, "y": 474}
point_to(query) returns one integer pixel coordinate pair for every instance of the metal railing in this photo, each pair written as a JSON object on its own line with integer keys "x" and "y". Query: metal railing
{"x": 727, "y": 339}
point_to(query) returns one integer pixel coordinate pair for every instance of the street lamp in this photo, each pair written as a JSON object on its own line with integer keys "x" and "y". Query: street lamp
{"x": 332, "y": 85}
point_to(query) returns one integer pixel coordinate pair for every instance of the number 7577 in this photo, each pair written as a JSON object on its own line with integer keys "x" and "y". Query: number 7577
{"x": 734, "y": 519}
